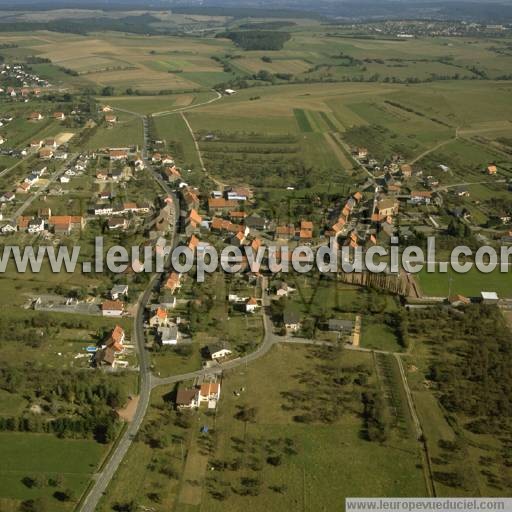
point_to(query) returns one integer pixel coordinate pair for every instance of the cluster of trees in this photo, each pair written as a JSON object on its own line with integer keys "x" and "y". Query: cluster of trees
{"x": 34, "y": 59}
{"x": 199, "y": 309}
{"x": 252, "y": 455}
{"x": 257, "y": 39}
{"x": 337, "y": 389}
{"x": 276, "y": 169}
{"x": 472, "y": 363}
{"x": 268, "y": 25}
{"x": 37, "y": 329}
{"x": 69, "y": 407}
{"x": 376, "y": 417}
{"x": 135, "y": 24}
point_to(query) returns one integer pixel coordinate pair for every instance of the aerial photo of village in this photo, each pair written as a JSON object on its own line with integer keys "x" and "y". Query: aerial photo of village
{"x": 269, "y": 128}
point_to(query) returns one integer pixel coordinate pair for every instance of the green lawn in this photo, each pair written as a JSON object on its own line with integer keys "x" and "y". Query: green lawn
{"x": 378, "y": 336}
{"x": 302, "y": 120}
{"x": 168, "y": 362}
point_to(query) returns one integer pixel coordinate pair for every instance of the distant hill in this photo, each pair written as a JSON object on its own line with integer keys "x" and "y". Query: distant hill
{"x": 483, "y": 10}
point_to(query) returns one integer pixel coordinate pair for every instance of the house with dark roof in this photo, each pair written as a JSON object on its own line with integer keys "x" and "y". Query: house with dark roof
{"x": 292, "y": 321}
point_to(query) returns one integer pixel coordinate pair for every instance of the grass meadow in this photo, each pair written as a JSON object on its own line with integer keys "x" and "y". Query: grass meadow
{"x": 42, "y": 457}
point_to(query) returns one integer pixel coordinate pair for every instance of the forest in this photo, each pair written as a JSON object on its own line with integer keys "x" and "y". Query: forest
{"x": 257, "y": 39}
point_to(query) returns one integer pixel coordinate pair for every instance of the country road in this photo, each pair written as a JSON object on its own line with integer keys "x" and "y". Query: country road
{"x": 102, "y": 479}
{"x": 19, "y": 162}
{"x": 148, "y": 381}
{"x": 189, "y": 107}
{"x": 31, "y": 198}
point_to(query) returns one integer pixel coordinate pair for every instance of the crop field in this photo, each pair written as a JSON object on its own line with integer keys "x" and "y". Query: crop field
{"x": 173, "y": 130}
{"x": 293, "y": 429}
{"x": 126, "y": 61}
{"x": 282, "y": 65}
{"x": 156, "y": 104}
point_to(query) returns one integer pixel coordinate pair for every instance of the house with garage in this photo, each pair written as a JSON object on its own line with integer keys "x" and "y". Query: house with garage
{"x": 117, "y": 154}
{"x": 209, "y": 392}
{"x": 116, "y": 339}
{"x": 421, "y": 197}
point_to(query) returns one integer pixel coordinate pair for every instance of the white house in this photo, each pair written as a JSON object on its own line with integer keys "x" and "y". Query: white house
{"x": 10, "y": 227}
{"x": 169, "y": 335}
{"x": 35, "y": 226}
{"x": 7, "y": 197}
{"x": 219, "y": 351}
{"x": 283, "y": 290}
{"x": 103, "y": 209}
{"x": 64, "y": 179}
{"x": 119, "y": 290}
{"x": 251, "y": 305}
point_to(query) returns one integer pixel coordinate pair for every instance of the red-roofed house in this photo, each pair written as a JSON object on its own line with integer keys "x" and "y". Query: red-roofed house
{"x": 112, "y": 308}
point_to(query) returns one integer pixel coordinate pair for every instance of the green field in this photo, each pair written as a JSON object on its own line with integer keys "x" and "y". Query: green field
{"x": 42, "y": 457}
{"x": 174, "y": 131}
{"x": 302, "y": 120}
{"x": 294, "y": 430}
{"x": 269, "y": 386}
{"x": 126, "y": 132}
{"x": 469, "y": 284}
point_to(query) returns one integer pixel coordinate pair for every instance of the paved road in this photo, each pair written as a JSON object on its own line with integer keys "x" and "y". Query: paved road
{"x": 269, "y": 340}
{"x": 147, "y": 380}
{"x": 32, "y": 197}
{"x": 24, "y": 159}
{"x": 104, "y": 477}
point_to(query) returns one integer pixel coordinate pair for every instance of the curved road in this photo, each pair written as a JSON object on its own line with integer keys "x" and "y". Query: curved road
{"x": 103, "y": 478}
